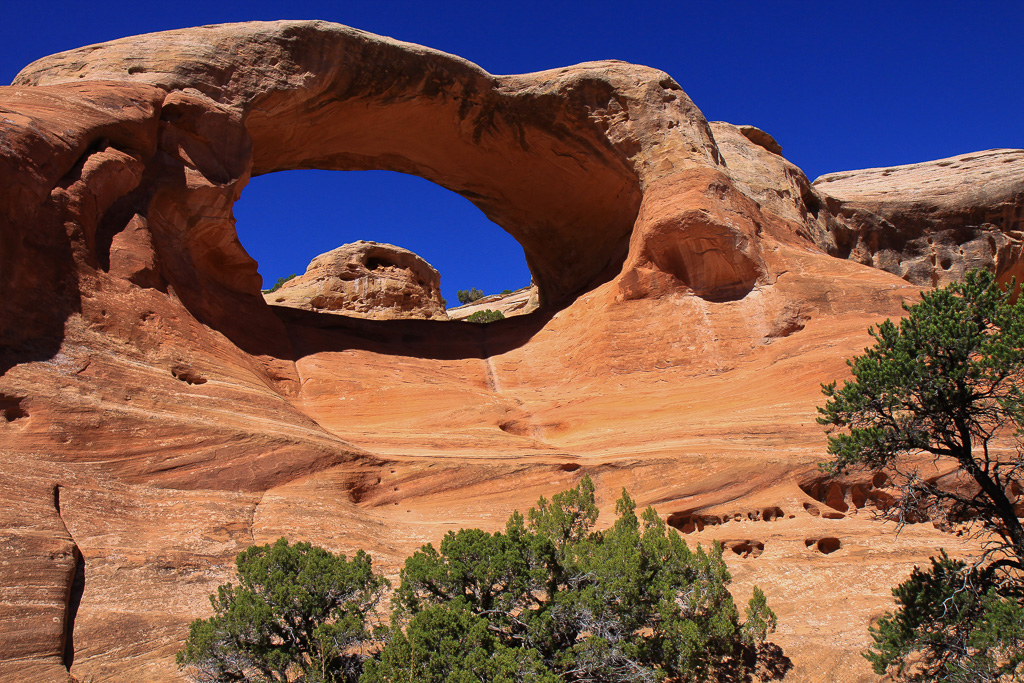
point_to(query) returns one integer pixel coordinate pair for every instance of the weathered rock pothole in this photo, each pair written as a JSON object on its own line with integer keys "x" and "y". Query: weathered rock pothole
{"x": 690, "y": 522}
{"x": 11, "y": 408}
{"x": 188, "y": 374}
{"x": 847, "y": 496}
{"x": 826, "y": 545}
{"x": 746, "y": 548}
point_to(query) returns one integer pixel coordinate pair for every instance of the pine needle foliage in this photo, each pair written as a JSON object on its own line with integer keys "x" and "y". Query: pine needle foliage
{"x": 297, "y": 611}
{"x": 553, "y": 599}
{"x": 944, "y": 385}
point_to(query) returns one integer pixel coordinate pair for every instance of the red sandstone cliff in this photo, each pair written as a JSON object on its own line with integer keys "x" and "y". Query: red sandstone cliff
{"x": 695, "y": 289}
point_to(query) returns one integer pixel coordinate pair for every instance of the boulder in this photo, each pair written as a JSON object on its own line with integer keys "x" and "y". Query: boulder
{"x": 366, "y": 280}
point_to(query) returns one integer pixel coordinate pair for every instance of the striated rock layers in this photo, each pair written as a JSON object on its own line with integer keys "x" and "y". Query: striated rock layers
{"x": 694, "y": 290}
{"x": 929, "y": 222}
{"x": 366, "y": 280}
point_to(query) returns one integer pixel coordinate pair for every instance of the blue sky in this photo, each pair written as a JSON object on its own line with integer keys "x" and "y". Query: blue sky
{"x": 839, "y": 85}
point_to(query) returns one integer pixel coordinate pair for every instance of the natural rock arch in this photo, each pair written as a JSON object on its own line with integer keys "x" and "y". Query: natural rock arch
{"x": 144, "y": 380}
{"x": 561, "y": 159}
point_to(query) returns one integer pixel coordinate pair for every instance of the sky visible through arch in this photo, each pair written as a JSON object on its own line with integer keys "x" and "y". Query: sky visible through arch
{"x": 839, "y": 85}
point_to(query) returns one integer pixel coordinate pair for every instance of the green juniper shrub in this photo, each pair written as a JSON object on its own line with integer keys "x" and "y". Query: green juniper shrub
{"x": 552, "y": 599}
{"x": 548, "y": 600}
{"x": 469, "y": 296}
{"x": 951, "y": 624}
{"x": 947, "y": 383}
{"x": 485, "y": 316}
{"x": 279, "y": 283}
{"x": 298, "y": 610}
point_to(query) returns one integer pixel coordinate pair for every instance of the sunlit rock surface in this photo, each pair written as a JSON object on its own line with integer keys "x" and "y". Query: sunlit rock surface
{"x": 520, "y": 302}
{"x": 366, "y": 280}
{"x": 930, "y": 222}
{"x": 694, "y": 290}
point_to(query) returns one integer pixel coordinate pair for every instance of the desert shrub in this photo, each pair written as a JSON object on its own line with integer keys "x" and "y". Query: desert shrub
{"x": 548, "y": 600}
{"x": 485, "y": 316}
{"x": 279, "y": 283}
{"x": 552, "y": 599}
{"x": 469, "y": 296}
{"x": 298, "y": 610}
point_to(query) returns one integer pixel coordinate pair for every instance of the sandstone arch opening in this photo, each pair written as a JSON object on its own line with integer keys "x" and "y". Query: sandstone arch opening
{"x": 286, "y": 220}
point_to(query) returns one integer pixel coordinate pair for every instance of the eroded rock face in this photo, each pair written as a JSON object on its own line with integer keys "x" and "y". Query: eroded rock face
{"x": 366, "y": 280}
{"x": 930, "y": 222}
{"x": 157, "y": 416}
{"x": 780, "y": 188}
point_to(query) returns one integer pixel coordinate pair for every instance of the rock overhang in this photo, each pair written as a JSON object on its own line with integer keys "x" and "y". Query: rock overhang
{"x": 560, "y": 159}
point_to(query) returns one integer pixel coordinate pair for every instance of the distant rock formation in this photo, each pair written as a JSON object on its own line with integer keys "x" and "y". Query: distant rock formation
{"x": 520, "y": 302}
{"x": 929, "y": 222}
{"x": 926, "y": 222}
{"x": 366, "y": 280}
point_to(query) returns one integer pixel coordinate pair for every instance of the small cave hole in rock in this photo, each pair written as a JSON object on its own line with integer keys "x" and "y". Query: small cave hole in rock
{"x": 829, "y": 545}
{"x": 685, "y": 523}
{"x": 569, "y": 467}
{"x": 858, "y": 496}
{"x": 746, "y": 548}
{"x": 515, "y": 427}
{"x": 688, "y": 522}
{"x": 11, "y": 408}
{"x": 380, "y": 264}
{"x": 287, "y": 219}
{"x": 811, "y": 201}
{"x": 187, "y": 374}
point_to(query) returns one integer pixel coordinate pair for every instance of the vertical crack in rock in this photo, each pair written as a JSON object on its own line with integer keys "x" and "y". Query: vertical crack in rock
{"x": 492, "y": 376}
{"x": 489, "y": 369}
{"x": 76, "y": 588}
{"x": 252, "y": 517}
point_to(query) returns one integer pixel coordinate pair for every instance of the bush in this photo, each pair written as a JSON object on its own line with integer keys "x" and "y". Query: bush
{"x": 551, "y": 599}
{"x": 952, "y": 624}
{"x": 485, "y": 316}
{"x": 469, "y": 296}
{"x": 548, "y": 600}
{"x": 298, "y": 610}
{"x": 279, "y": 283}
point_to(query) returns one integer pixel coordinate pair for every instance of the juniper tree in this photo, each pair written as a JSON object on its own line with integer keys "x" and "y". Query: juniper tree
{"x": 944, "y": 385}
{"x": 297, "y": 610}
{"x": 551, "y": 598}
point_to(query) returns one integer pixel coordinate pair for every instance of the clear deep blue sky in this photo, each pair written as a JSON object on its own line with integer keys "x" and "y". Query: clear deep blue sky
{"x": 840, "y": 86}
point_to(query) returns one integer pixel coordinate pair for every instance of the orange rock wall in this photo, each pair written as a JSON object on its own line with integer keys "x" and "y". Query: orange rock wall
{"x": 159, "y": 416}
